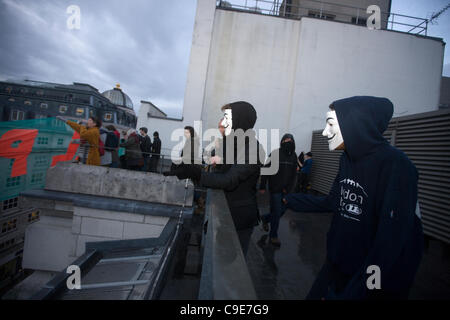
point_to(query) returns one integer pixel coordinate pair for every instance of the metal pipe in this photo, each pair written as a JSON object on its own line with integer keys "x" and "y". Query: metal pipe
{"x": 172, "y": 243}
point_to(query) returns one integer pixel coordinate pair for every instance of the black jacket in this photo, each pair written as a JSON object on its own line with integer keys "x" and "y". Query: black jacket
{"x": 146, "y": 145}
{"x": 285, "y": 177}
{"x": 238, "y": 179}
{"x": 156, "y": 147}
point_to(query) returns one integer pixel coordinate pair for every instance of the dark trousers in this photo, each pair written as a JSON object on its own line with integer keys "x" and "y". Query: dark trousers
{"x": 154, "y": 163}
{"x": 329, "y": 282}
{"x": 277, "y": 209}
{"x": 244, "y": 238}
{"x": 302, "y": 182}
{"x": 146, "y": 165}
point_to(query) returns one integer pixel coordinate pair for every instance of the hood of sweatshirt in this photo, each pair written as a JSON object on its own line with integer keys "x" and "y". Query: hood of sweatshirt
{"x": 362, "y": 120}
{"x": 243, "y": 115}
{"x": 288, "y": 147}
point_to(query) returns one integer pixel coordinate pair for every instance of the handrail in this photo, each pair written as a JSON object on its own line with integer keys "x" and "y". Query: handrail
{"x": 225, "y": 275}
{"x": 279, "y": 8}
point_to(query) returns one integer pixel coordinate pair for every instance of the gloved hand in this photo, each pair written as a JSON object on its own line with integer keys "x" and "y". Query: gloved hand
{"x": 185, "y": 171}
{"x": 169, "y": 173}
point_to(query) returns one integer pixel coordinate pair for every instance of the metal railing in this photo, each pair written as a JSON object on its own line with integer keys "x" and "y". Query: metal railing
{"x": 326, "y": 10}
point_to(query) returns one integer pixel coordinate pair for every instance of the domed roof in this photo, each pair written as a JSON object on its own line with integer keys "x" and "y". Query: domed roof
{"x": 118, "y": 97}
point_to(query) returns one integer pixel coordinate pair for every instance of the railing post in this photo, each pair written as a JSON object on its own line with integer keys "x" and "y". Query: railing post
{"x": 392, "y": 22}
{"x": 321, "y": 9}
{"x": 357, "y": 16}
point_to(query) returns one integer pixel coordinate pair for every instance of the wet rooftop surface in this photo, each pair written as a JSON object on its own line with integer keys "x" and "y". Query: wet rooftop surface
{"x": 289, "y": 271}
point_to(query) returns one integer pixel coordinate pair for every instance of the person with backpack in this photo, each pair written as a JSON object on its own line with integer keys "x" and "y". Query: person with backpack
{"x": 90, "y": 133}
{"x": 133, "y": 154}
{"x": 112, "y": 143}
{"x": 146, "y": 146}
{"x": 107, "y": 138}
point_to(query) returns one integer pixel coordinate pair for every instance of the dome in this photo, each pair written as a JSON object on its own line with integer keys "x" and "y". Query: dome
{"x": 118, "y": 97}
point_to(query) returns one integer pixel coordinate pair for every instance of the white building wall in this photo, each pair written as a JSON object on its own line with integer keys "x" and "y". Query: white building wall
{"x": 292, "y": 70}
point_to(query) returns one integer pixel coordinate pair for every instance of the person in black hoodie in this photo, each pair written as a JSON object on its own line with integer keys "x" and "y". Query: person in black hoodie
{"x": 156, "y": 151}
{"x": 239, "y": 173}
{"x": 279, "y": 184}
{"x": 376, "y": 221}
{"x": 146, "y": 145}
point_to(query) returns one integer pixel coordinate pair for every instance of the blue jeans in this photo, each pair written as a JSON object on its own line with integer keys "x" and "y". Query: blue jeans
{"x": 146, "y": 163}
{"x": 277, "y": 209}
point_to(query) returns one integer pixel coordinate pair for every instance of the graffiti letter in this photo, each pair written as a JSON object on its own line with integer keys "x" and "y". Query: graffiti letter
{"x": 71, "y": 151}
{"x": 21, "y": 151}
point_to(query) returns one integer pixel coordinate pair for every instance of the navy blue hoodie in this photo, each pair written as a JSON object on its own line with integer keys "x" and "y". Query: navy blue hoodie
{"x": 376, "y": 217}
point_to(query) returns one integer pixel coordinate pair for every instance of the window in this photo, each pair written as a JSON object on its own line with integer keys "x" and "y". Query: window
{"x": 27, "y": 103}
{"x": 62, "y": 109}
{"x": 8, "y": 90}
{"x": 68, "y": 97}
{"x": 80, "y": 112}
{"x": 107, "y": 116}
{"x": 42, "y": 140}
{"x": 23, "y": 90}
{"x": 92, "y": 113}
{"x": 17, "y": 115}
{"x": 40, "y": 92}
{"x": 44, "y": 106}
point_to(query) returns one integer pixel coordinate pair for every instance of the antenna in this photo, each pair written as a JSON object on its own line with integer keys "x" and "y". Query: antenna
{"x": 435, "y": 15}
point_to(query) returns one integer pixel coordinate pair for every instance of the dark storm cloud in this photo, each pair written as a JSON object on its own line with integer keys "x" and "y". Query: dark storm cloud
{"x": 143, "y": 45}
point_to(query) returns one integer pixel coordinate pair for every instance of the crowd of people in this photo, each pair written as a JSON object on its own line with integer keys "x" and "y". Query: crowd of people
{"x": 105, "y": 146}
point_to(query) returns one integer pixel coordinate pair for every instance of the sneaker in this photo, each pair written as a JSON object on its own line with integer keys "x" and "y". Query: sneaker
{"x": 275, "y": 241}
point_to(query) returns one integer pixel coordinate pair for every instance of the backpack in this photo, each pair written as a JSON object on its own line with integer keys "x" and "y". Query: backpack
{"x": 101, "y": 147}
{"x": 112, "y": 142}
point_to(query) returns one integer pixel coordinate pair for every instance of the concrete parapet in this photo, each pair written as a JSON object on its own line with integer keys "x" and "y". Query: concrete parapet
{"x": 118, "y": 183}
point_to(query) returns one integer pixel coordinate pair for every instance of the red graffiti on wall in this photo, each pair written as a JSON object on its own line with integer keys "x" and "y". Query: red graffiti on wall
{"x": 23, "y": 141}
{"x": 20, "y": 152}
{"x": 71, "y": 151}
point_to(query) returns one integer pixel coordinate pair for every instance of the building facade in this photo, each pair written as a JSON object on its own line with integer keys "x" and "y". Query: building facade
{"x": 22, "y": 100}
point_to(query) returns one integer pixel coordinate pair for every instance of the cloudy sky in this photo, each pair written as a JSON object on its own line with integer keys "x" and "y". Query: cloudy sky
{"x": 142, "y": 44}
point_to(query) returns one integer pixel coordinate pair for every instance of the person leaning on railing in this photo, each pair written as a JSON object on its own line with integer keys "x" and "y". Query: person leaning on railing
{"x": 91, "y": 134}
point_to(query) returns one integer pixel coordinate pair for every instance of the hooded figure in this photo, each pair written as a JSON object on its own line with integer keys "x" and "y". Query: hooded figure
{"x": 239, "y": 175}
{"x": 375, "y": 241}
{"x": 280, "y": 183}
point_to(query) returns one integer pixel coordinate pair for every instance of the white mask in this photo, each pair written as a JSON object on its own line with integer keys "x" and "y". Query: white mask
{"x": 227, "y": 121}
{"x": 332, "y": 131}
